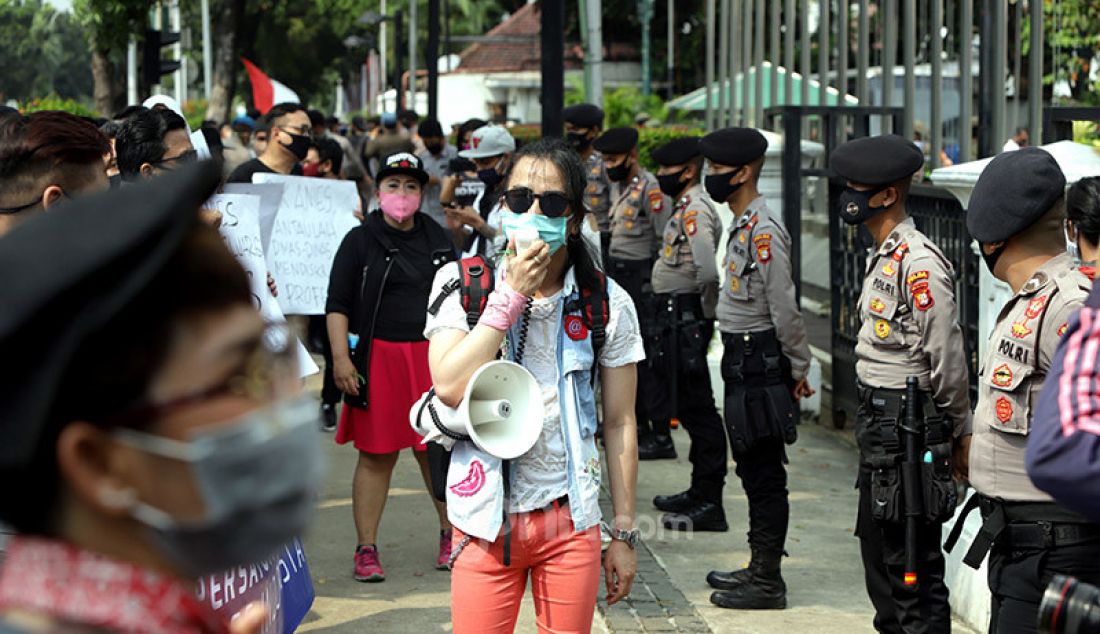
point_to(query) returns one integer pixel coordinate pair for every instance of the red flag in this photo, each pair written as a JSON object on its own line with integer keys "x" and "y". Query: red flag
{"x": 263, "y": 92}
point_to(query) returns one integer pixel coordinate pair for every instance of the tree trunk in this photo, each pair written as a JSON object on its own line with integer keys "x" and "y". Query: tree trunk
{"x": 103, "y": 74}
{"x": 225, "y": 59}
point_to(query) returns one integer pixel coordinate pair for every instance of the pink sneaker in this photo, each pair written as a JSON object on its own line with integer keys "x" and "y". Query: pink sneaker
{"x": 367, "y": 566}
{"x": 443, "y": 562}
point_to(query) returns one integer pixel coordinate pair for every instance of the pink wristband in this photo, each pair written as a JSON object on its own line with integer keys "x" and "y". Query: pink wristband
{"x": 503, "y": 308}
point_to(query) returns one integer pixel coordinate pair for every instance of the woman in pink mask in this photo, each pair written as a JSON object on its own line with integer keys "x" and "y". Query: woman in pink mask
{"x": 378, "y": 289}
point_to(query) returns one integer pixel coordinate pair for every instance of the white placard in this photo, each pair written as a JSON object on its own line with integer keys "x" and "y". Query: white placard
{"x": 314, "y": 216}
{"x": 240, "y": 229}
{"x": 270, "y": 195}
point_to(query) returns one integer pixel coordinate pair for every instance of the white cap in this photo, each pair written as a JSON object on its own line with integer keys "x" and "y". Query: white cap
{"x": 490, "y": 140}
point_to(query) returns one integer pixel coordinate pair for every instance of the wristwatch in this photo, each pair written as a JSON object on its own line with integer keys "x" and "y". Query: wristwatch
{"x": 630, "y": 538}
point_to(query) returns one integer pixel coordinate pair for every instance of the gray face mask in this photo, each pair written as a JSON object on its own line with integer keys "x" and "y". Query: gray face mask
{"x": 257, "y": 478}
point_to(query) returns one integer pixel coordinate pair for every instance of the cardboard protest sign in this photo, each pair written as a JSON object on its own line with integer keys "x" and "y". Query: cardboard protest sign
{"x": 240, "y": 229}
{"x": 314, "y": 216}
{"x": 283, "y": 583}
{"x": 270, "y": 195}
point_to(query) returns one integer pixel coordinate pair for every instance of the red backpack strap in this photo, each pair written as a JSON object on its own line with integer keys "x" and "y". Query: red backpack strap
{"x": 476, "y": 277}
{"x": 597, "y": 313}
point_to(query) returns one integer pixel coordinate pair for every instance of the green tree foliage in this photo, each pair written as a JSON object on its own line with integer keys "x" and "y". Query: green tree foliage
{"x": 1073, "y": 41}
{"x": 43, "y": 52}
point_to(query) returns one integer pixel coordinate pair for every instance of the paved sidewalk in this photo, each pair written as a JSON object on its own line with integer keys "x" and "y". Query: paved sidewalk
{"x": 823, "y": 574}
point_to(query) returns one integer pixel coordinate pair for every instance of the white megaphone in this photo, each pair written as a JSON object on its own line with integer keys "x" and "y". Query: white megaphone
{"x": 501, "y": 412}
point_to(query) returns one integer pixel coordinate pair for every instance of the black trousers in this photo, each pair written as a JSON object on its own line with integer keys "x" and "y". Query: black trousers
{"x": 698, "y": 413}
{"x": 634, "y": 276}
{"x": 763, "y": 476}
{"x": 1018, "y": 578}
{"x": 318, "y": 341}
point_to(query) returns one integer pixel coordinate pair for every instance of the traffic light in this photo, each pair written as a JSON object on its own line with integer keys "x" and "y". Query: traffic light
{"x": 153, "y": 66}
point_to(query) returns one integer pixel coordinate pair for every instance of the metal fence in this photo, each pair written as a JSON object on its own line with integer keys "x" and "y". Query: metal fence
{"x": 851, "y": 48}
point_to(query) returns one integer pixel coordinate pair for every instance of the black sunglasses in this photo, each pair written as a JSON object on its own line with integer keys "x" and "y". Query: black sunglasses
{"x": 190, "y": 156}
{"x": 551, "y": 204}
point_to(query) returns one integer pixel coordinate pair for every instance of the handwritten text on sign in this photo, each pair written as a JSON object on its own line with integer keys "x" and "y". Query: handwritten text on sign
{"x": 314, "y": 216}
{"x": 240, "y": 228}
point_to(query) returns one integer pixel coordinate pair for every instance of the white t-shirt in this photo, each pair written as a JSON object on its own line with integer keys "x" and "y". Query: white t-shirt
{"x": 541, "y": 473}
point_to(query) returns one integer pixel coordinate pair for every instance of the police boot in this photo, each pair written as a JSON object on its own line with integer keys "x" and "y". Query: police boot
{"x": 730, "y": 580}
{"x": 676, "y": 503}
{"x": 704, "y": 516}
{"x": 656, "y": 447}
{"x": 764, "y": 590}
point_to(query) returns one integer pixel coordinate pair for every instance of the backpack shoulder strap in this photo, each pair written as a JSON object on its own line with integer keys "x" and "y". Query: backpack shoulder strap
{"x": 475, "y": 284}
{"x": 597, "y": 313}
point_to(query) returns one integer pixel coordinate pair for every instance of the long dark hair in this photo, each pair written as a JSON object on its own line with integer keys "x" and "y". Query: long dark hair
{"x": 568, "y": 162}
{"x": 1083, "y": 207}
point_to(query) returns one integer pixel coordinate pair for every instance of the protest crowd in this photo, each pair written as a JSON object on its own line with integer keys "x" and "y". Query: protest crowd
{"x": 531, "y": 321}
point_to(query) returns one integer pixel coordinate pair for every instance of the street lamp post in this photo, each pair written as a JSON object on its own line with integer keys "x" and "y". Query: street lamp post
{"x": 645, "y": 15}
{"x": 374, "y": 18}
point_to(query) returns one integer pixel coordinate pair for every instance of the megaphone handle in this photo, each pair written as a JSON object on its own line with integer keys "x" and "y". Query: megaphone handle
{"x": 438, "y": 423}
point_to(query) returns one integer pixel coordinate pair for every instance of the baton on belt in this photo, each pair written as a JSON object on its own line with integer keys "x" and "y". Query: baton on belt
{"x": 911, "y": 476}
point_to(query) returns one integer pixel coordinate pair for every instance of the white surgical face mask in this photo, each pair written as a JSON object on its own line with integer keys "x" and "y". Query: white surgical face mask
{"x": 1072, "y": 248}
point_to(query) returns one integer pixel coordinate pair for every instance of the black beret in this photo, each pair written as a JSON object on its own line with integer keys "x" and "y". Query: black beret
{"x": 677, "y": 151}
{"x": 584, "y": 115}
{"x": 429, "y": 127}
{"x": 616, "y": 141}
{"x": 876, "y": 160}
{"x": 734, "y": 146}
{"x": 1012, "y": 193}
{"x": 114, "y": 245}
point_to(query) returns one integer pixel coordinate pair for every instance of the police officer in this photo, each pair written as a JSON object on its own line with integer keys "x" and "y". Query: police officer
{"x": 908, "y": 327}
{"x": 583, "y": 123}
{"x": 1015, "y": 215}
{"x": 685, "y": 283}
{"x": 764, "y": 364}
{"x": 638, "y": 214}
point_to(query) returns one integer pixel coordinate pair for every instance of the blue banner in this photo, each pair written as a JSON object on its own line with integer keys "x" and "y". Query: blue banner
{"x": 283, "y": 583}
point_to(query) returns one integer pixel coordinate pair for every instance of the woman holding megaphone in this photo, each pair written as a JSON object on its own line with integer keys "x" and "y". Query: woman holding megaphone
{"x": 538, "y": 515}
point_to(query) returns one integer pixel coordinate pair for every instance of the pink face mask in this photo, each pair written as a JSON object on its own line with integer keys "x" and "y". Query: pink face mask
{"x": 400, "y": 207}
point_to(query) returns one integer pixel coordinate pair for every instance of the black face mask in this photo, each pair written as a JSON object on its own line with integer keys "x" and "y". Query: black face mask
{"x": 115, "y": 181}
{"x": 490, "y": 176}
{"x": 299, "y": 146}
{"x": 434, "y": 148}
{"x": 991, "y": 258}
{"x": 579, "y": 140}
{"x": 619, "y": 172}
{"x": 719, "y": 187}
{"x": 670, "y": 184}
{"x": 855, "y": 205}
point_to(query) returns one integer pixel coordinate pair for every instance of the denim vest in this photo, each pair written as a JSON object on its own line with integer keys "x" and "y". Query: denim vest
{"x": 475, "y": 491}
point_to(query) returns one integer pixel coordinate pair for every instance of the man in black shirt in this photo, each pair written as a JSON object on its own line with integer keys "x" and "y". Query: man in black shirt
{"x": 288, "y": 143}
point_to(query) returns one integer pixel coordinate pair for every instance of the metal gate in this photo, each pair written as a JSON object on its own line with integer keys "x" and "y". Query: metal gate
{"x": 937, "y": 213}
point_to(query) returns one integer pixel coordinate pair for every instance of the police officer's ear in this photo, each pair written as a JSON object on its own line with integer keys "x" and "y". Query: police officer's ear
{"x": 146, "y": 170}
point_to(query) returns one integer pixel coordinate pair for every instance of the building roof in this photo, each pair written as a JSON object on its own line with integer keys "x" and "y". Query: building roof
{"x": 517, "y": 50}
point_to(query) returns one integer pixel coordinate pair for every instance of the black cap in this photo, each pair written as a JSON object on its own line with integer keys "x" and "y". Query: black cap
{"x": 617, "y": 141}
{"x": 677, "y": 151}
{"x": 876, "y": 160}
{"x": 429, "y": 127}
{"x": 403, "y": 163}
{"x": 583, "y": 115}
{"x": 1012, "y": 193}
{"x": 113, "y": 246}
{"x": 733, "y": 146}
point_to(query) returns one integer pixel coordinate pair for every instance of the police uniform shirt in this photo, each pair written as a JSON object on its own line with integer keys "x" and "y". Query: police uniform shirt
{"x": 1021, "y": 348}
{"x": 686, "y": 262}
{"x": 597, "y": 194}
{"x": 758, "y": 293}
{"x": 638, "y": 217}
{"x": 909, "y": 324}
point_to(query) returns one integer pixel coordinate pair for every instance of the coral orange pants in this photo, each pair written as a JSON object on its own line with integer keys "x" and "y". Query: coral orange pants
{"x": 564, "y": 567}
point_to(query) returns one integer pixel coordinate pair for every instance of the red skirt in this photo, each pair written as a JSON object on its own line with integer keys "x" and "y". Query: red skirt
{"x": 399, "y": 376}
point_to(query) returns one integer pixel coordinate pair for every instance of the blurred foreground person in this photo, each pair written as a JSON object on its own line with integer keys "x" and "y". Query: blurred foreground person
{"x": 45, "y": 158}
{"x": 152, "y": 436}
